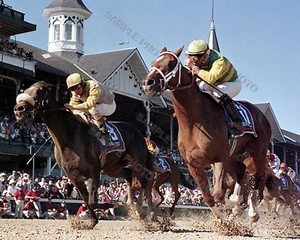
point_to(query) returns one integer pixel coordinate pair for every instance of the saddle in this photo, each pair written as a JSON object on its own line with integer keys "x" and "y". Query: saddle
{"x": 116, "y": 141}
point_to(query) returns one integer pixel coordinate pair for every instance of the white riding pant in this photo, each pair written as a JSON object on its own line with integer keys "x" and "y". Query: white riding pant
{"x": 105, "y": 109}
{"x": 101, "y": 109}
{"x": 230, "y": 88}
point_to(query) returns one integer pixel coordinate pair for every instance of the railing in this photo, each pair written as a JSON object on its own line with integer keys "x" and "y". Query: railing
{"x": 7, "y": 10}
{"x": 17, "y": 61}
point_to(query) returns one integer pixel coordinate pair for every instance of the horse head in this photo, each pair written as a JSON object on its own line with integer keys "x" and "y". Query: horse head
{"x": 32, "y": 101}
{"x": 165, "y": 73}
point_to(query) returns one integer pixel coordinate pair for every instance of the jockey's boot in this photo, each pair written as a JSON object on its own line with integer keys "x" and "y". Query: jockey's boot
{"x": 102, "y": 127}
{"x": 234, "y": 114}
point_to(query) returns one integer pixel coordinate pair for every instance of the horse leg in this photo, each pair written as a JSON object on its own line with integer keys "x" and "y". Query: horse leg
{"x": 268, "y": 204}
{"x": 239, "y": 168}
{"x": 291, "y": 204}
{"x": 177, "y": 196}
{"x": 86, "y": 196}
{"x": 148, "y": 193}
{"x": 158, "y": 195}
{"x": 129, "y": 201}
{"x": 139, "y": 204}
{"x": 254, "y": 216}
{"x": 258, "y": 159}
{"x": 236, "y": 198}
{"x": 92, "y": 189}
{"x": 219, "y": 188}
{"x": 201, "y": 180}
{"x": 274, "y": 203}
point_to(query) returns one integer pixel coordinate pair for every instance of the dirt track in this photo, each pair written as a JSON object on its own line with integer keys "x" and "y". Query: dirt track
{"x": 193, "y": 227}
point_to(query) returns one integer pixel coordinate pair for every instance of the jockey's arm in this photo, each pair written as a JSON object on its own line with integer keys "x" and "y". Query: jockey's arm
{"x": 90, "y": 102}
{"x": 215, "y": 73}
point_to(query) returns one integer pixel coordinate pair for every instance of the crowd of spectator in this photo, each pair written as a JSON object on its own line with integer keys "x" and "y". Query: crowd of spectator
{"x": 27, "y": 133}
{"x": 12, "y": 48}
{"x": 25, "y": 196}
{"x": 174, "y": 154}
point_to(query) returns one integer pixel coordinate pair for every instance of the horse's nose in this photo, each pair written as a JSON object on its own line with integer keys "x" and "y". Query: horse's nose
{"x": 148, "y": 82}
{"x": 19, "y": 108}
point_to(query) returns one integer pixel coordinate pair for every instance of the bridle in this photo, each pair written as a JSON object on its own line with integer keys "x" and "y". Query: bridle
{"x": 170, "y": 75}
{"x": 38, "y": 106}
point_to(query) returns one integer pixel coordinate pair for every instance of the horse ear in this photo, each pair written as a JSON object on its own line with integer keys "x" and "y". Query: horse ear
{"x": 164, "y": 50}
{"x": 178, "y": 51}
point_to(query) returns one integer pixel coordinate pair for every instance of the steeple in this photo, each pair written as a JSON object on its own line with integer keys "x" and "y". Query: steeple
{"x": 212, "y": 39}
{"x": 66, "y": 26}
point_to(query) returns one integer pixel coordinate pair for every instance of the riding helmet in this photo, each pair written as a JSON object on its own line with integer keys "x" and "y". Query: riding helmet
{"x": 197, "y": 47}
{"x": 74, "y": 79}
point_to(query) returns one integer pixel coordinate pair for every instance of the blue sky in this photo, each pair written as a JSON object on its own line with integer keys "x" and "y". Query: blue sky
{"x": 261, "y": 38}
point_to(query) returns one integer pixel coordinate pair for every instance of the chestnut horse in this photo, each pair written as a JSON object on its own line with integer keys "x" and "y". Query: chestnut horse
{"x": 80, "y": 154}
{"x": 203, "y": 131}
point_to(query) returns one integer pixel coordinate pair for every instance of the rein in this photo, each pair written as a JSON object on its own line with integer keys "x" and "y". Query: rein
{"x": 167, "y": 77}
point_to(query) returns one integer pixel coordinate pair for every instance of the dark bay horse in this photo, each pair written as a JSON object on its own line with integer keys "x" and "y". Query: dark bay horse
{"x": 275, "y": 195}
{"x": 203, "y": 131}
{"x": 173, "y": 176}
{"x": 79, "y": 153}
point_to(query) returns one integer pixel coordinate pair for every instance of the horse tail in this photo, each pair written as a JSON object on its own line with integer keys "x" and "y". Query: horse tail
{"x": 184, "y": 182}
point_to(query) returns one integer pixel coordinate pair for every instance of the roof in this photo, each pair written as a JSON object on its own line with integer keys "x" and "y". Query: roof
{"x": 103, "y": 64}
{"x": 49, "y": 62}
{"x": 291, "y": 138}
{"x": 12, "y": 22}
{"x": 63, "y": 5}
{"x": 269, "y": 113}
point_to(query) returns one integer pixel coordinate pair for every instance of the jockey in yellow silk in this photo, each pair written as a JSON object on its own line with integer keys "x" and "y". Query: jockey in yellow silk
{"x": 90, "y": 97}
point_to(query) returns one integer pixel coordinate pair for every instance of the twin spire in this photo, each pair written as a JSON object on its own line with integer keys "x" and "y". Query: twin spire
{"x": 212, "y": 39}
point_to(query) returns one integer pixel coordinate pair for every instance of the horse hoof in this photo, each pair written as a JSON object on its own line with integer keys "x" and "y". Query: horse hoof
{"x": 254, "y": 218}
{"x": 143, "y": 215}
{"x": 237, "y": 211}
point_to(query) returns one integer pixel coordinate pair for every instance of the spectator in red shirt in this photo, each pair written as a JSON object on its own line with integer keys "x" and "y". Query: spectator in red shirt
{"x": 50, "y": 211}
{"x": 19, "y": 197}
{"x": 62, "y": 211}
{"x": 29, "y": 209}
{"x": 35, "y": 196}
{"x": 82, "y": 211}
{"x": 4, "y": 207}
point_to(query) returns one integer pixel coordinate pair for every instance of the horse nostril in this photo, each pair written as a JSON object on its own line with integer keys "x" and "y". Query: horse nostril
{"x": 19, "y": 109}
{"x": 150, "y": 82}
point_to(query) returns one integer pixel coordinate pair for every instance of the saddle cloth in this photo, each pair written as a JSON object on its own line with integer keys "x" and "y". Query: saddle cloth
{"x": 244, "y": 113}
{"x": 284, "y": 182}
{"x": 115, "y": 142}
{"x": 247, "y": 119}
{"x": 162, "y": 165}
